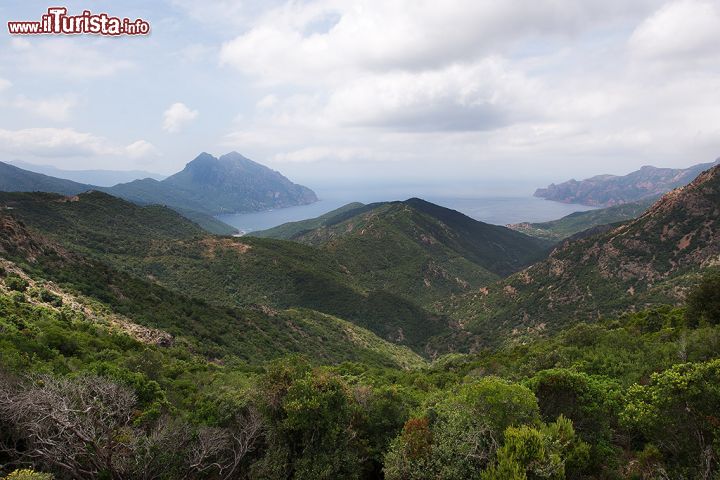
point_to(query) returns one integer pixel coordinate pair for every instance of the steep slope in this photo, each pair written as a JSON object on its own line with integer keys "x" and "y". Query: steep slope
{"x": 420, "y": 250}
{"x": 156, "y": 243}
{"x": 556, "y": 230}
{"x": 148, "y": 311}
{"x": 229, "y": 184}
{"x": 644, "y": 262}
{"x": 14, "y": 179}
{"x": 608, "y": 190}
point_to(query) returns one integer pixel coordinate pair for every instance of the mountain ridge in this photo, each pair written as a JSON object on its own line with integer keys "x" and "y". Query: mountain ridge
{"x": 155, "y": 243}
{"x": 415, "y": 249}
{"x": 14, "y": 178}
{"x": 610, "y": 190}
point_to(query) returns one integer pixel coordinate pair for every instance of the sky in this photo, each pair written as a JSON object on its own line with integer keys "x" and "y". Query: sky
{"x": 371, "y": 90}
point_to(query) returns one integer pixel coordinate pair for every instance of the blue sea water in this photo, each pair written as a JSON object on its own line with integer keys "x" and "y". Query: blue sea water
{"x": 495, "y": 209}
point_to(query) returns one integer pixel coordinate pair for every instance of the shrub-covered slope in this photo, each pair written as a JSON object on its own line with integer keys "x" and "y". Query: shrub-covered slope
{"x": 157, "y": 244}
{"x": 642, "y": 262}
{"x": 419, "y": 250}
{"x": 254, "y": 334}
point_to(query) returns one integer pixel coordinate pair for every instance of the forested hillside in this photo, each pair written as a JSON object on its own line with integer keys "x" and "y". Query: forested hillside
{"x": 644, "y": 262}
{"x": 385, "y": 273}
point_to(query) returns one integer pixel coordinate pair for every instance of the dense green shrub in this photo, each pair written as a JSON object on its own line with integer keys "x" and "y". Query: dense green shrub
{"x": 28, "y": 474}
{"x": 678, "y": 413}
{"x": 16, "y": 283}
{"x": 549, "y": 451}
{"x": 703, "y": 303}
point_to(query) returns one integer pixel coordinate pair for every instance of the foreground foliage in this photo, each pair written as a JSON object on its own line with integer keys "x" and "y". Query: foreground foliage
{"x": 632, "y": 397}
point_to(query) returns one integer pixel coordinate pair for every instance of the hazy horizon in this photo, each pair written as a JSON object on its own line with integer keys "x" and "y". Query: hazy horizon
{"x": 383, "y": 188}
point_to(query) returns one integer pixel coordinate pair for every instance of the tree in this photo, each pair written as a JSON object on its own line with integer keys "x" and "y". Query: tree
{"x": 499, "y": 403}
{"x": 28, "y": 474}
{"x": 85, "y": 427}
{"x": 74, "y": 425}
{"x": 703, "y": 303}
{"x": 310, "y": 430}
{"x": 16, "y": 283}
{"x": 592, "y": 404}
{"x": 459, "y": 435}
{"x": 538, "y": 453}
{"x": 678, "y": 413}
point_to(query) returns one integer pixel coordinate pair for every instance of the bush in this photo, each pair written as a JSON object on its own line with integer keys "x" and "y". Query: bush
{"x": 677, "y": 412}
{"x": 27, "y": 474}
{"x": 49, "y": 297}
{"x": 703, "y": 303}
{"x": 545, "y": 452}
{"x": 16, "y": 283}
{"x": 460, "y": 435}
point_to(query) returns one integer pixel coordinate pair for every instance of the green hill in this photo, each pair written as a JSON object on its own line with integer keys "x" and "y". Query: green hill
{"x": 253, "y": 334}
{"x": 123, "y": 354}
{"x": 14, "y": 179}
{"x": 577, "y": 222}
{"x": 416, "y": 249}
{"x": 158, "y": 244}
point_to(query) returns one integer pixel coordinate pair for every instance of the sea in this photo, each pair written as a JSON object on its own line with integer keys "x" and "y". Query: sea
{"x": 490, "y": 205}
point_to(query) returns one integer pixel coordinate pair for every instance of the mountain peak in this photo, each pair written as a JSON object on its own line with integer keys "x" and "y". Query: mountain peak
{"x": 234, "y": 156}
{"x": 229, "y": 184}
{"x": 204, "y": 157}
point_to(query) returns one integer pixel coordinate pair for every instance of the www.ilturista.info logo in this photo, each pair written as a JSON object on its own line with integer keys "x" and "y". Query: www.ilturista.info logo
{"x": 58, "y": 22}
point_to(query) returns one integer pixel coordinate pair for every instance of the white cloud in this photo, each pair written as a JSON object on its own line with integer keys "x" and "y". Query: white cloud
{"x": 67, "y": 58}
{"x": 476, "y": 86}
{"x": 54, "y": 142}
{"x": 177, "y": 116}
{"x": 681, "y": 30}
{"x": 378, "y": 35}
{"x": 480, "y": 96}
{"x": 19, "y": 43}
{"x": 543, "y": 84}
{"x": 416, "y": 66}
{"x": 5, "y": 84}
{"x": 141, "y": 149}
{"x": 67, "y": 142}
{"x": 267, "y": 102}
{"x": 56, "y": 109}
{"x": 325, "y": 153}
